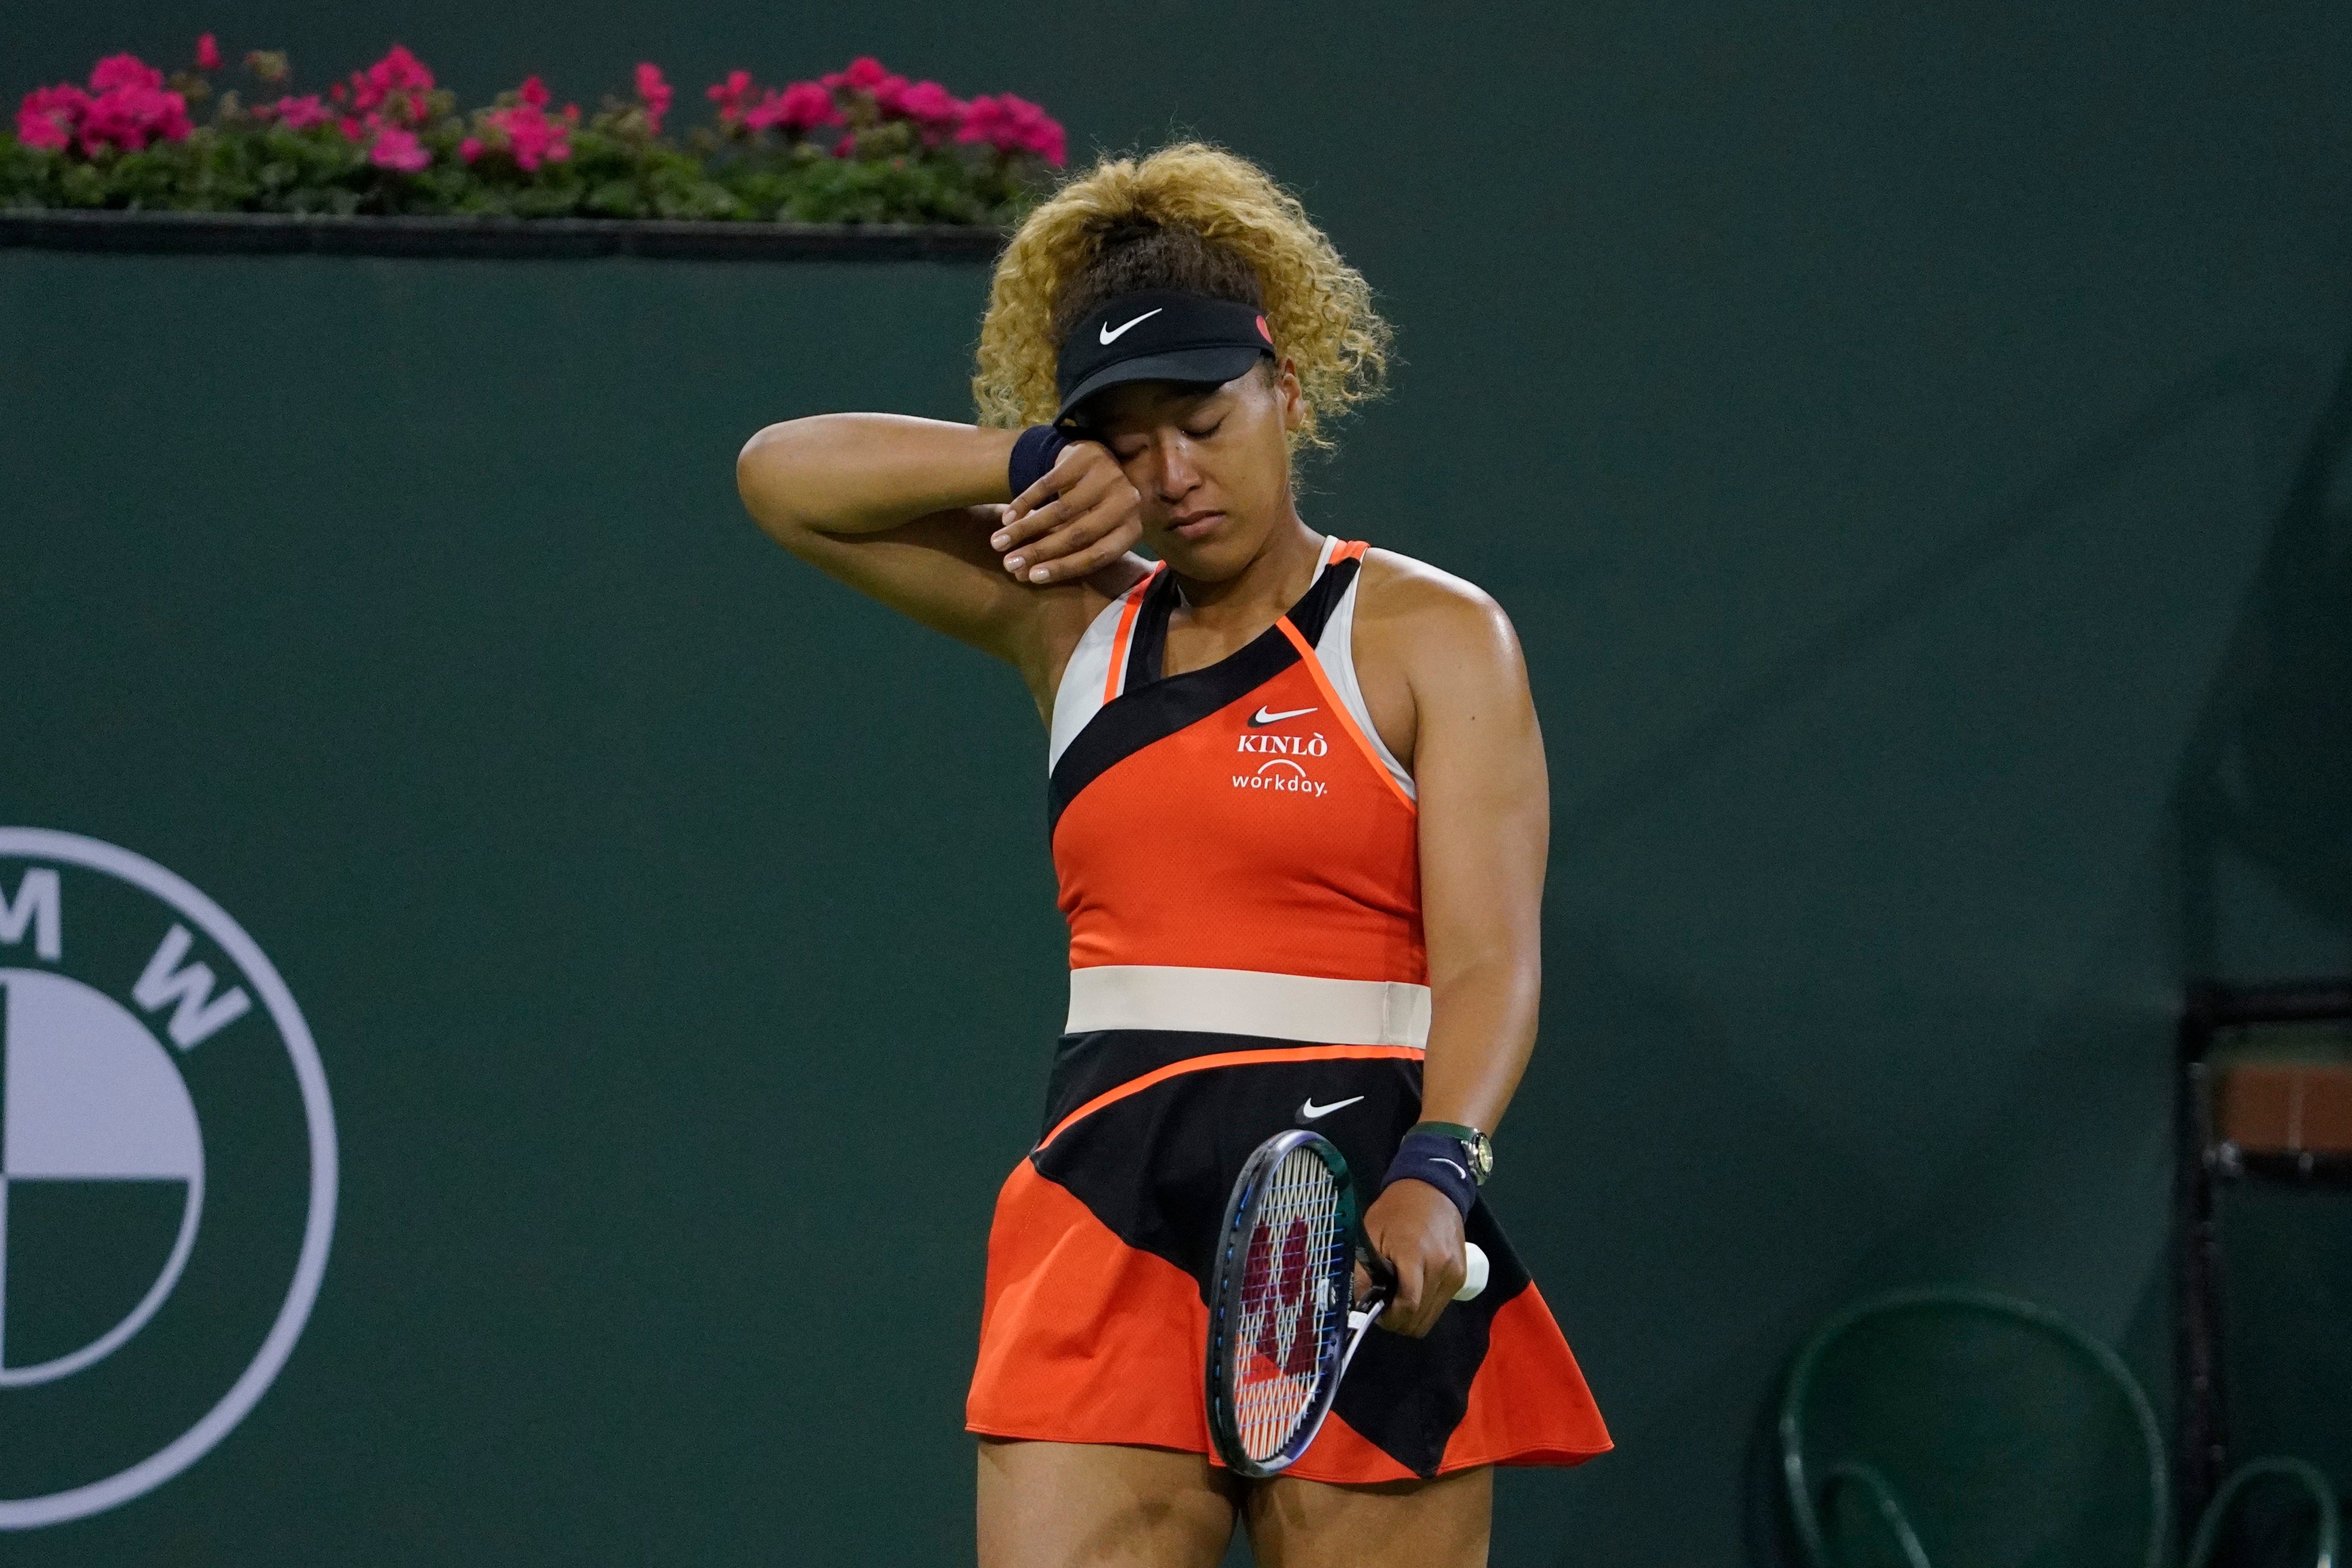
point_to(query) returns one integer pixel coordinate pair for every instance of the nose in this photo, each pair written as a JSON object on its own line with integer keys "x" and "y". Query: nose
{"x": 1176, "y": 476}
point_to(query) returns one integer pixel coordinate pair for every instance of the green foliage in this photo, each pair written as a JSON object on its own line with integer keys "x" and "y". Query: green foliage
{"x": 216, "y": 168}
{"x": 616, "y": 168}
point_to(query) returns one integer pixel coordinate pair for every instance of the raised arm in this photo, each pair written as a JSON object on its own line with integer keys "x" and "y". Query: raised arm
{"x": 911, "y": 511}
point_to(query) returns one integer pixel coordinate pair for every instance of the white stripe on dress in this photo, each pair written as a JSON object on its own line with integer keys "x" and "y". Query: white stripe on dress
{"x": 1080, "y": 696}
{"x": 1336, "y": 652}
{"x": 1248, "y": 1001}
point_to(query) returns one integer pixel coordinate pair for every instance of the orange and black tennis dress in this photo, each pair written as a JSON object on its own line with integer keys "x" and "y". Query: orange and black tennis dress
{"x": 1238, "y": 862}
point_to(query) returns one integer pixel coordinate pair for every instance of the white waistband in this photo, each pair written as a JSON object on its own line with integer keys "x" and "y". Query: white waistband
{"x": 1249, "y": 1001}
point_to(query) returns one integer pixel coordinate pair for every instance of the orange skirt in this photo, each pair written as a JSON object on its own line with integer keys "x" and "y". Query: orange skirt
{"x": 1095, "y": 1323}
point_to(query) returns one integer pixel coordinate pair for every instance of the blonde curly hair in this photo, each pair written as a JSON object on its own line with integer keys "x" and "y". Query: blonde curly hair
{"x": 1189, "y": 216}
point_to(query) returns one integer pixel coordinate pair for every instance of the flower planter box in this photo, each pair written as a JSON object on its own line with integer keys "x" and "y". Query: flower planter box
{"x": 513, "y": 239}
{"x": 860, "y": 164}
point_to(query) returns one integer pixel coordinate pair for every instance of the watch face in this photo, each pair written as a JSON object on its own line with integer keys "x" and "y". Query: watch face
{"x": 1481, "y": 1151}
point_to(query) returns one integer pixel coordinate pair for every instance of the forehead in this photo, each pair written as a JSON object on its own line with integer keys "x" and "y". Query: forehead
{"x": 1140, "y": 405}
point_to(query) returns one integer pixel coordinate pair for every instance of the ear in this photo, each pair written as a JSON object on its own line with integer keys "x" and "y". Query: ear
{"x": 1289, "y": 394}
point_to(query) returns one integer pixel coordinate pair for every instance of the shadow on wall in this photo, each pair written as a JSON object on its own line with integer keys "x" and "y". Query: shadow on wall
{"x": 2267, "y": 777}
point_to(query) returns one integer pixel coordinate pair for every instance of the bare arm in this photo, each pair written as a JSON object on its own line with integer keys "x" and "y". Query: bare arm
{"x": 909, "y": 512}
{"x": 1485, "y": 828}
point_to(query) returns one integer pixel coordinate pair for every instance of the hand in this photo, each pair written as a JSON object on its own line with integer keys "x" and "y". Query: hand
{"x": 1095, "y": 517}
{"x": 1417, "y": 1228}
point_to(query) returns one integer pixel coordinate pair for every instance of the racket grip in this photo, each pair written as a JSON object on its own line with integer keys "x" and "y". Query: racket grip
{"x": 1474, "y": 1279}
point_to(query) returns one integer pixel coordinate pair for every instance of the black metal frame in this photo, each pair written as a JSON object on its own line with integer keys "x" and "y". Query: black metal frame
{"x": 534, "y": 239}
{"x": 2200, "y": 1448}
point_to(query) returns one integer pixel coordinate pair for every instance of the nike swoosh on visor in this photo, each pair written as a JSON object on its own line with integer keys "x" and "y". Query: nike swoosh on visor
{"x": 1109, "y": 336}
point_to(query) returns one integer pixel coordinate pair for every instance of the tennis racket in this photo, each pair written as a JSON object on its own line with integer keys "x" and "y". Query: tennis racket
{"x": 1283, "y": 1321}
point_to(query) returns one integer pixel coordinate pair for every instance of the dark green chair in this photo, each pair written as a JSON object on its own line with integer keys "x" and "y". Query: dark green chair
{"x": 1957, "y": 1428}
{"x": 2327, "y": 1525}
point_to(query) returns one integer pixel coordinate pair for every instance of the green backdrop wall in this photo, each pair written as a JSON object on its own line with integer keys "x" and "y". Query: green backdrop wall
{"x": 1877, "y": 426}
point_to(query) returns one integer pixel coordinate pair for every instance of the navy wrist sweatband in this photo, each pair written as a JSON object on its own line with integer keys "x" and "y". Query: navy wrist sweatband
{"x": 1033, "y": 456}
{"x": 1436, "y": 1159}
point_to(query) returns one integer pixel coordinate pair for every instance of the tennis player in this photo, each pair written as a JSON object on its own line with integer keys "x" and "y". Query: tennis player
{"x": 1298, "y": 815}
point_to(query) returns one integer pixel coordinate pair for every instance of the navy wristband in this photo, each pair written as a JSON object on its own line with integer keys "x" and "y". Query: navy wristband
{"x": 1436, "y": 1159}
{"x": 1033, "y": 456}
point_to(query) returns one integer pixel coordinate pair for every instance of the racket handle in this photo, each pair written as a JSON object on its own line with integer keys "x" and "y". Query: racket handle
{"x": 1475, "y": 1280}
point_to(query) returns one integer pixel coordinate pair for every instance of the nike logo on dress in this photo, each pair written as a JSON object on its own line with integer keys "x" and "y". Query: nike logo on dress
{"x": 1109, "y": 336}
{"x": 1263, "y": 716}
{"x": 1311, "y": 1112}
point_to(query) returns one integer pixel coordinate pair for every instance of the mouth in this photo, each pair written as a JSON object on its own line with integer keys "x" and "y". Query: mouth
{"x": 1194, "y": 524}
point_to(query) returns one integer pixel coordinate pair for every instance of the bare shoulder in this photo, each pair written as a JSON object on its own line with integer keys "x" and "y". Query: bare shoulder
{"x": 1407, "y": 605}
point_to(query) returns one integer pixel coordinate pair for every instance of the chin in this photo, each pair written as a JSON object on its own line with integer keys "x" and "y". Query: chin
{"x": 1222, "y": 552}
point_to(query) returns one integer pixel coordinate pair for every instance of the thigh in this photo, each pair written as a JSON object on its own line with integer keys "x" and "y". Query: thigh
{"x": 1441, "y": 1524}
{"x": 1101, "y": 1505}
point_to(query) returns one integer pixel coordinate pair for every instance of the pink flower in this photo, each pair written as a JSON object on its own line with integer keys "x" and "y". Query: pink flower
{"x": 530, "y": 136}
{"x": 869, "y": 75}
{"x": 348, "y": 128}
{"x": 865, "y": 74}
{"x": 799, "y": 109}
{"x": 534, "y": 92}
{"x": 543, "y": 143}
{"x": 804, "y": 106}
{"x": 470, "y": 148}
{"x": 933, "y": 108}
{"x": 131, "y": 110}
{"x": 207, "y": 54}
{"x": 339, "y": 92}
{"x": 729, "y": 96}
{"x": 1013, "y": 125}
{"x": 398, "y": 72}
{"x": 929, "y": 100}
{"x": 49, "y": 116}
{"x": 654, "y": 94}
{"x": 889, "y": 93}
{"x": 300, "y": 113}
{"x": 398, "y": 149}
{"x": 124, "y": 70}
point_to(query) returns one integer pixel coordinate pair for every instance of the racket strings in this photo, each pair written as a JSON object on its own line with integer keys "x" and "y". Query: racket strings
{"x": 1293, "y": 1303}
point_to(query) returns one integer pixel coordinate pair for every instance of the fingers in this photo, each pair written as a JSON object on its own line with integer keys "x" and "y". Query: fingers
{"x": 1028, "y": 538}
{"x": 1407, "y": 1303}
{"x": 1417, "y": 1230}
{"x": 1084, "y": 466}
{"x": 1115, "y": 541}
{"x": 1079, "y": 546}
{"x": 1055, "y": 496}
{"x": 1093, "y": 520}
{"x": 1425, "y": 1287}
{"x": 1439, "y": 1282}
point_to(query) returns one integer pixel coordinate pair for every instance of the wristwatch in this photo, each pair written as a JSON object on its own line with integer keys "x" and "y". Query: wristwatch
{"x": 1477, "y": 1149}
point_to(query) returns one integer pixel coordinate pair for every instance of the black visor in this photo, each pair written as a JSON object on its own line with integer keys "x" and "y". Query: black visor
{"x": 1158, "y": 335}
